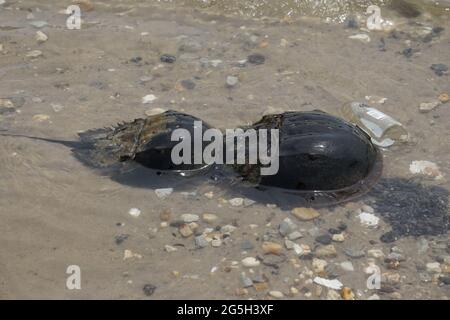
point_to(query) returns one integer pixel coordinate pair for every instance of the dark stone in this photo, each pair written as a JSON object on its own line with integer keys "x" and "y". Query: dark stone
{"x": 256, "y": 58}
{"x": 324, "y": 239}
{"x": 342, "y": 226}
{"x": 121, "y": 238}
{"x": 149, "y": 289}
{"x": 437, "y": 30}
{"x": 351, "y": 23}
{"x": 408, "y": 52}
{"x": 167, "y": 58}
{"x": 439, "y": 68}
{"x": 188, "y": 84}
{"x": 6, "y": 110}
{"x": 136, "y": 59}
{"x": 445, "y": 280}
{"x": 334, "y": 231}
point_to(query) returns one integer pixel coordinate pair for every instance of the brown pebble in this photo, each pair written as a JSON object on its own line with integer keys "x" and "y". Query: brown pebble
{"x": 347, "y": 294}
{"x": 444, "y": 97}
{"x": 272, "y": 248}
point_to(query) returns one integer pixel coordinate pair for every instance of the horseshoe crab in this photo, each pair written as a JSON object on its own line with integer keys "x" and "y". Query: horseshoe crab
{"x": 322, "y": 158}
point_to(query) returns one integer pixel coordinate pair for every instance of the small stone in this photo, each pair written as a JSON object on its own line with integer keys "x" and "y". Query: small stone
{"x": 286, "y": 227}
{"x": 216, "y": 242}
{"x": 209, "y": 218}
{"x": 167, "y": 58}
{"x": 443, "y": 97}
{"x": 324, "y": 239}
{"x": 232, "y": 81}
{"x": 185, "y": 231}
{"x": 228, "y": 229}
{"x": 328, "y": 251}
{"x": 188, "y": 217}
{"x": 128, "y": 254}
{"x": 187, "y": 84}
{"x": 154, "y": 111}
{"x": 121, "y": 238}
{"x": 368, "y": 219}
{"x": 333, "y": 295}
{"x": 134, "y": 212}
{"x": 201, "y": 241}
{"x": 41, "y": 37}
{"x": 305, "y": 214}
{"x": 319, "y": 265}
{"x": 284, "y": 43}
{"x": 361, "y": 37}
{"x": 276, "y": 294}
{"x": 246, "y": 281}
{"x": 169, "y": 248}
{"x": 302, "y": 250}
{"x": 366, "y": 208}
{"x": 38, "y": 24}
{"x": 236, "y": 202}
{"x": 374, "y": 297}
{"x": 272, "y": 248}
{"x": 294, "y": 235}
{"x": 250, "y": 262}
{"x": 163, "y": 192}
{"x": 34, "y": 54}
{"x": 256, "y": 59}
{"x": 375, "y": 253}
{"x": 247, "y": 245}
{"x": 294, "y": 291}
{"x": 150, "y": 98}
{"x": 434, "y": 267}
{"x": 347, "y": 266}
{"x": 209, "y": 195}
{"x": 149, "y": 289}
{"x": 331, "y": 284}
{"x": 425, "y": 107}
{"x": 354, "y": 253}
{"x": 85, "y": 5}
{"x": 215, "y": 63}
{"x": 338, "y": 237}
{"x": 439, "y": 69}
{"x": 426, "y": 168}
{"x": 347, "y": 294}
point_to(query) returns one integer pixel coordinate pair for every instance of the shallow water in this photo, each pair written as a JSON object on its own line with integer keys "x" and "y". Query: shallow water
{"x": 57, "y": 212}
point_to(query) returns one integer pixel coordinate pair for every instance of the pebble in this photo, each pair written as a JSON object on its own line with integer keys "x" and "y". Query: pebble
{"x": 374, "y": 297}
{"x": 433, "y": 267}
{"x": 38, "y": 24}
{"x": 327, "y": 251}
{"x": 150, "y": 98}
{"x": 232, "y": 81}
{"x": 439, "y": 69}
{"x": 256, "y": 59}
{"x": 247, "y": 245}
{"x": 149, "y": 289}
{"x": 185, "y": 231}
{"x": 272, "y": 248}
{"x": 128, "y": 254}
{"x": 375, "y": 253}
{"x": 302, "y": 249}
{"x": 201, "y": 241}
{"x": 319, "y": 265}
{"x": 121, "y": 238}
{"x": 443, "y": 97}
{"x": 167, "y": 58}
{"x": 333, "y": 295}
{"x": 134, "y": 212}
{"x": 361, "y": 37}
{"x": 228, "y": 229}
{"x": 305, "y": 214}
{"x": 347, "y": 266}
{"x": 347, "y": 294}
{"x": 216, "y": 242}
{"x": 246, "y": 281}
{"x": 324, "y": 239}
{"x": 368, "y": 219}
{"x": 209, "y": 218}
{"x": 41, "y": 37}
{"x": 236, "y": 202}
{"x": 331, "y": 284}
{"x": 154, "y": 111}
{"x": 250, "y": 262}
{"x": 426, "y": 168}
{"x": 286, "y": 227}
{"x": 41, "y": 117}
{"x": 163, "y": 192}
{"x": 34, "y": 54}
{"x": 425, "y": 107}
{"x": 294, "y": 235}
{"x": 188, "y": 217}
{"x": 338, "y": 237}
{"x": 276, "y": 294}
{"x": 187, "y": 84}
{"x": 169, "y": 248}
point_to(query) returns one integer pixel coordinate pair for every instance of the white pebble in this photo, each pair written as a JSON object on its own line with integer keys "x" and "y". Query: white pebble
{"x": 250, "y": 262}
{"x": 188, "y": 217}
{"x": 163, "y": 192}
{"x": 368, "y": 219}
{"x": 332, "y": 284}
{"x": 135, "y": 212}
{"x": 149, "y": 98}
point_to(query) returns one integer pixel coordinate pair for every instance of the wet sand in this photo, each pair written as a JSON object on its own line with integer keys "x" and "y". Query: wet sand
{"x": 56, "y": 212}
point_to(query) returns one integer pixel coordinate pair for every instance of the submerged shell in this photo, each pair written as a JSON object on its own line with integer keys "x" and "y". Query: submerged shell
{"x": 145, "y": 141}
{"x": 320, "y": 156}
